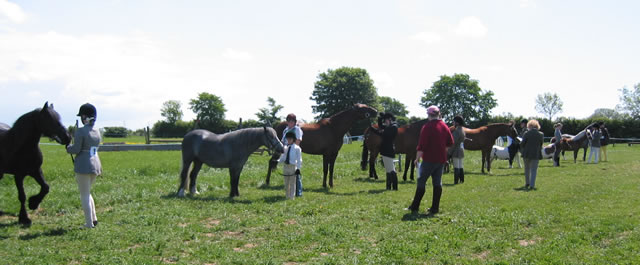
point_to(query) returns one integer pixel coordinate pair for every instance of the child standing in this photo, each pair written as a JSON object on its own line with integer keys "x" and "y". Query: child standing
{"x": 595, "y": 143}
{"x": 558, "y": 135}
{"x": 292, "y": 126}
{"x": 292, "y": 159}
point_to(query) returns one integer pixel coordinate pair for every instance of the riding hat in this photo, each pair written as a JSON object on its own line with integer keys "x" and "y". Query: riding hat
{"x": 87, "y": 110}
{"x": 290, "y": 134}
{"x": 388, "y": 115}
{"x": 433, "y": 110}
{"x": 524, "y": 121}
{"x": 459, "y": 120}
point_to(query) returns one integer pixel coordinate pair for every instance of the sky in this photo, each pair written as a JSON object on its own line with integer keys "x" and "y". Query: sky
{"x": 128, "y": 57}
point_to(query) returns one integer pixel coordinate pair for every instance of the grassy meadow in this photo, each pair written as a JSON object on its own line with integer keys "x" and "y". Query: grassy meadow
{"x": 580, "y": 214}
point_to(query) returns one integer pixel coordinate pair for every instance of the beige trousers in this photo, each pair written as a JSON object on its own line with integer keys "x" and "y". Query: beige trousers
{"x": 84, "y": 186}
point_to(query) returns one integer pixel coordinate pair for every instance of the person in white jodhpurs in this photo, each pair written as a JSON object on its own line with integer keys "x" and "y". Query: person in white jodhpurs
{"x": 292, "y": 159}
{"x": 87, "y": 164}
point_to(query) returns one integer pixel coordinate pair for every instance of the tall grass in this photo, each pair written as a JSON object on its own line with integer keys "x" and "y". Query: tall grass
{"x": 581, "y": 213}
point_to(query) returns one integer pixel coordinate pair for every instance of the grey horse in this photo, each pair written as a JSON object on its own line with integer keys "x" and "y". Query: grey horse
{"x": 230, "y": 150}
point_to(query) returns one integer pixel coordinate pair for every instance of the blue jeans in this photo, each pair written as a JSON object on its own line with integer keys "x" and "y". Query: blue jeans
{"x": 298, "y": 185}
{"x": 428, "y": 169}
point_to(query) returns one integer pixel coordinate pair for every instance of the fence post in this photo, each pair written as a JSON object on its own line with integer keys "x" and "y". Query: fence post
{"x": 147, "y": 136}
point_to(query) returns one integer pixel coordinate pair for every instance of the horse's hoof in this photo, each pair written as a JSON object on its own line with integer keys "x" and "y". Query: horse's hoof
{"x": 25, "y": 221}
{"x": 33, "y": 203}
{"x": 181, "y": 193}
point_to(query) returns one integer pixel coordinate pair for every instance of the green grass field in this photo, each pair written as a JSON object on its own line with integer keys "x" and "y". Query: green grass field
{"x": 580, "y": 214}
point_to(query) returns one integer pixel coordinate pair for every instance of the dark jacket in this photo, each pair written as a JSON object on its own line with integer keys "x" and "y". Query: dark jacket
{"x": 531, "y": 144}
{"x": 388, "y": 137}
{"x": 456, "y": 151}
{"x": 605, "y": 139}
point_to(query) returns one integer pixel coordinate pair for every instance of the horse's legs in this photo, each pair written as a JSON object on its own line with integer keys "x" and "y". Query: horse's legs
{"x": 35, "y": 200}
{"x": 23, "y": 218}
{"x": 273, "y": 164}
{"x": 197, "y": 165}
{"x": 483, "y": 161}
{"x": 407, "y": 162}
{"x": 234, "y": 174}
{"x": 584, "y": 154}
{"x": 372, "y": 164}
{"x": 325, "y": 169}
{"x": 413, "y": 166}
{"x": 575, "y": 155}
{"x": 332, "y": 162}
{"x": 183, "y": 177}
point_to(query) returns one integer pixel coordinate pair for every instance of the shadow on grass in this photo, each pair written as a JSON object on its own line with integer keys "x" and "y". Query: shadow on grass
{"x": 369, "y": 180}
{"x": 174, "y": 196}
{"x": 329, "y": 192}
{"x": 52, "y": 232}
{"x": 376, "y": 191}
{"x": 417, "y": 216}
{"x": 274, "y": 198}
{"x": 269, "y": 187}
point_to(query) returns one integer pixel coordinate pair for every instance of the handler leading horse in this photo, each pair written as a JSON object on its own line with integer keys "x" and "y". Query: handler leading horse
{"x": 20, "y": 154}
{"x": 405, "y": 143}
{"x": 325, "y": 138}
{"x": 482, "y": 138}
{"x": 230, "y": 150}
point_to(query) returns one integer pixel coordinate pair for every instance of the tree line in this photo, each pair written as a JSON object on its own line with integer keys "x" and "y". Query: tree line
{"x": 337, "y": 89}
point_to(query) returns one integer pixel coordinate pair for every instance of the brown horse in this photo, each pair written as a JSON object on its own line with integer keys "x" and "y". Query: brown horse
{"x": 325, "y": 138}
{"x": 405, "y": 143}
{"x": 569, "y": 143}
{"x": 483, "y": 138}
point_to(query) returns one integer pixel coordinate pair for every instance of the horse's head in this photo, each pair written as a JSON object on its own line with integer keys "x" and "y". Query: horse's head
{"x": 49, "y": 125}
{"x": 512, "y": 131}
{"x": 271, "y": 140}
{"x": 364, "y": 111}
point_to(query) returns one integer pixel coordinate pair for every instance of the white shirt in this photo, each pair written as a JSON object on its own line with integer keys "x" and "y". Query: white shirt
{"x": 295, "y": 157}
{"x": 296, "y": 129}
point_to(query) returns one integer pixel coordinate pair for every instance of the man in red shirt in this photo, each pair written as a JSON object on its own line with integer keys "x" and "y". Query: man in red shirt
{"x": 435, "y": 138}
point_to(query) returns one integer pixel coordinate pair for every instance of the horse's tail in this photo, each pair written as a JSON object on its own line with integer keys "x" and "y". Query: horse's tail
{"x": 365, "y": 152}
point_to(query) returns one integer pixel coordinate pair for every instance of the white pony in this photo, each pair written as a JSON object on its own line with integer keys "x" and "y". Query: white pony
{"x": 507, "y": 153}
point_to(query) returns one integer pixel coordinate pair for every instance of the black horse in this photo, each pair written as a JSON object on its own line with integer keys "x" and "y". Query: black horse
{"x": 20, "y": 154}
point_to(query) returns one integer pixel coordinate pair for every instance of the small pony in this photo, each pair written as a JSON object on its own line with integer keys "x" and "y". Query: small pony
{"x": 507, "y": 153}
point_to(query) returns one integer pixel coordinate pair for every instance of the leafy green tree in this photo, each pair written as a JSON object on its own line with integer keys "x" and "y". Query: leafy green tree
{"x": 209, "y": 111}
{"x": 548, "y": 104}
{"x": 337, "y": 90}
{"x": 269, "y": 115}
{"x": 459, "y": 95}
{"x": 171, "y": 111}
{"x": 392, "y": 105}
{"x": 604, "y": 113}
{"x": 630, "y": 101}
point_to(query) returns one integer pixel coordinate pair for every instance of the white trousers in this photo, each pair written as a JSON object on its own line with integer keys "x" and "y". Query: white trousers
{"x": 458, "y": 162}
{"x": 84, "y": 186}
{"x": 595, "y": 151}
{"x": 290, "y": 186}
{"x": 389, "y": 166}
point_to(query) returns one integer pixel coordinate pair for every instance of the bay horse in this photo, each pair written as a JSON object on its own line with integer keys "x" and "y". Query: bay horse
{"x": 21, "y": 156}
{"x": 405, "y": 143}
{"x": 484, "y": 137}
{"x": 325, "y": 138}
{"x": 574, "y": 143}
{"x": 230, "y": 150}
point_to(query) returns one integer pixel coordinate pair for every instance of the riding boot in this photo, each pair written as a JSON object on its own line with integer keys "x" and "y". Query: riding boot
{"x": 417, "y": 198}
{"x": 394, "y": 180}
{"x": 435, "y": 203}
{"x": 388, "y": 181}
{"x": 462, "y": 175}
{"x": 456, "y": 175}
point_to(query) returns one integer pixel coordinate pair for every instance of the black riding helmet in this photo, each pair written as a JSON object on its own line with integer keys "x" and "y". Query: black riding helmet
{"x": 87, "y": 110}
{"x": 459, "y": 120}
{"x": 290, "y": 135}
{"x": 388, "y": 115}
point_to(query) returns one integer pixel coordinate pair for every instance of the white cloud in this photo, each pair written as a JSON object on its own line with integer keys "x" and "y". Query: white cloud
{"x": 427, "y": 37}
{"x": 527, "y": 3}
{"x": 236, "y": 55}
{"x": 12, "y": 11}
{"x": 471, "y": 27}
{"x": 383, "y": 81}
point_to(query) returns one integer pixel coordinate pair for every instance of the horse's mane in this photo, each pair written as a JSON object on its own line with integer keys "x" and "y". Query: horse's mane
{"x": 25, "y": 118}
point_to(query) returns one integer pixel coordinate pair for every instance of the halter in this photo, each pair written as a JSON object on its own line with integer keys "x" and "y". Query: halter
{"x": 270, "y": 145}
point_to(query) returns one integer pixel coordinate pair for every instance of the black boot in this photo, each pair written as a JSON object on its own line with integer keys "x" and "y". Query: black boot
{"x": 394, "y": 180}
{"x": 435, "y": 203}
{"x": 462, "y": 175}
{"x": 388, "y": 181}
{"x": 456, "y": 175}
{"x": 417, "y": 198}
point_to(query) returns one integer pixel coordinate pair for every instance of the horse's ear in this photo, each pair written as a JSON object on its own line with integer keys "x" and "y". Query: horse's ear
{"x": 264, "y": 127}
{"x": 46, "y": 105}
